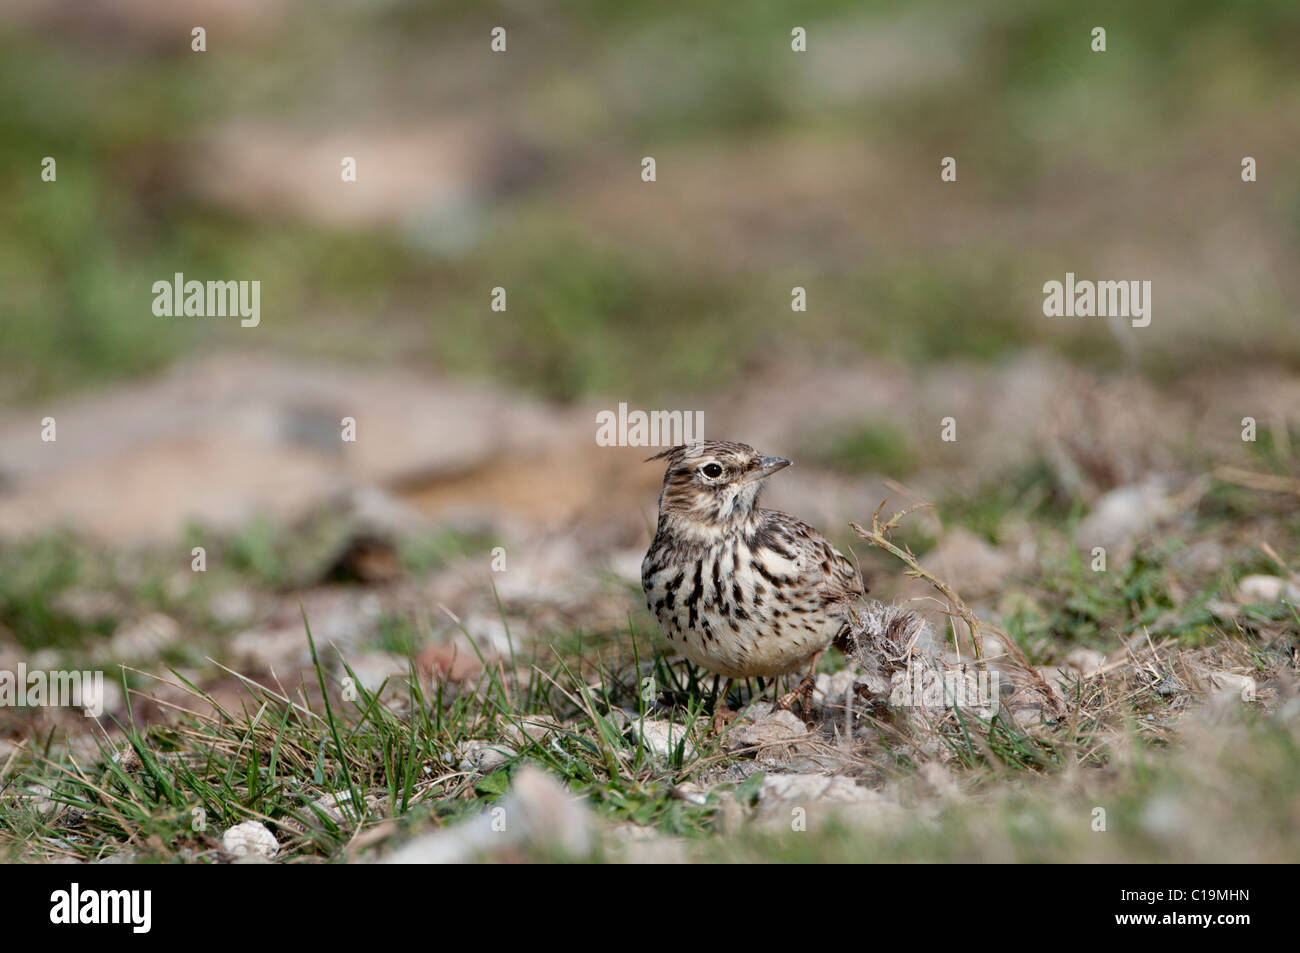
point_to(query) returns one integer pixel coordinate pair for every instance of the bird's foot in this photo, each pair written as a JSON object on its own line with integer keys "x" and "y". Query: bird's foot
{"x": 802, "y": 694}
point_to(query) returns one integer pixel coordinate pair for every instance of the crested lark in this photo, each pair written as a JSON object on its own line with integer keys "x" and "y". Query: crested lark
{"x": 743, "y": 591}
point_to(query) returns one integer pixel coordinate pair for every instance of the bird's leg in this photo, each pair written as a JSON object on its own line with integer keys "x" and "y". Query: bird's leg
{"x": 803, "y": 692}
{"x": 722, "y": 715}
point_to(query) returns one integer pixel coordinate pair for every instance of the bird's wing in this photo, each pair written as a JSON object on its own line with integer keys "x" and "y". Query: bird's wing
{"x": 821, "y": 565}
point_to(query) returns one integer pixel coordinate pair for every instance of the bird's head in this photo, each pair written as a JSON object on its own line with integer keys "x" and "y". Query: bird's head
{"x": 712, "y": 486}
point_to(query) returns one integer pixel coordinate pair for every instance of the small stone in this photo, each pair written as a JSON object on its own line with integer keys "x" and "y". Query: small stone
{"x": 1225, "y": 611}
{"x": 338, "y": 807}
{"x": 1164, "y": 816}
{"x": 1124, "y": 514}
{"x": 249, "y": 838}
{"x": 1267, "y": 589}
{"x": 373, "y": 669}
{"x": 144, "y": 638}
{"x": 537, "y": 813}
{"x": 815, "y": 798}
{"x": 86, "y": 605}
{"x": 530, "y": 730}
{"x": 454, "y": 661}
{"x": 1228, "y": 686}
{"x": 1084, "y": 661}
{"x": 767, "y": 730}
{"x": 270, "y": 648}
{"x": 481, "y": 756}
{"x": 1169, "y": 685}
{"x": 232, "y": 606}
{"x": 662, "y": 738}
{"x": 968, "y": 564}
{"x": 832, "y": 690}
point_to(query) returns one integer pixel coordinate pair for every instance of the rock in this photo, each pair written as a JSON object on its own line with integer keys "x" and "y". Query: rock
{"x": 338, "y": 807}
{"x": 434, "y": 181}
{"x": 1122, "y": 515}
{"x": 799, "y": 801}
{"x": 1267, "y": 589}
{"x": 1229, "y": 686}
{"x": 1084, "y": 661}
{"x": 1169, "y": 685}
{"x": 769, "y": 732}
{"x": 1203, "y": 556}
{"x": 662, "y": 738}
{"x": 779, "y": 740}
{"x": 968, "y": 564}
{"x": 536, "y": 814}
{"x": 834, "y": 690}
{"x": 632, "y": 844}
{"x": 1165, "y": 816}
{"x": 269, "y": 648}
{"x": 41, "y": 799}
{"x": 373, "y": 669}
{"x": 249, "y": 838}
{"x": 1222, "y": 610}
{"x": 810, "y": 787}
{"x": 221, "y": 440}
{"x": 481, "y": 756}
{"x": 1058, "y": 680}
{"x": 376, "y": 512}
{"x": 490, "y": 633}
{"x": 144, "y": 638}
{"x": 530, "y": 730}
{"x": 86, "y": 605}
{"x": 232, "y": 606}
{"x": 365, "y": 558}
{"x": 454, "y": 661}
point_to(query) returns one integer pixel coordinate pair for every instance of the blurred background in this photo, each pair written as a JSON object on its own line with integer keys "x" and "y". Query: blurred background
{"x": 522, "y": 170}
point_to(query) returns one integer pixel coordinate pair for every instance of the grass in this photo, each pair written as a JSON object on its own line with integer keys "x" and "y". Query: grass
{"x": 586, "y": 306}
{"x": 340, "y": 771}
{"x": 1242, "y": 791}
{"x": 277, "y": 755}
{"x": 1033, "y": 115}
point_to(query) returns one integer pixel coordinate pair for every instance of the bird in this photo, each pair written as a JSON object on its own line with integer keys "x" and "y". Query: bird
{"x": 743, "y": 591}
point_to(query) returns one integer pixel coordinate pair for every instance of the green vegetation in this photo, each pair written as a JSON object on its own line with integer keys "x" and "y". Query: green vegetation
{"x": 1007, "y": 88}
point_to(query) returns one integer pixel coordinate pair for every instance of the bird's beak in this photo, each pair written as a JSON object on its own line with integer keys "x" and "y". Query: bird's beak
{"x": 766, "y": 467}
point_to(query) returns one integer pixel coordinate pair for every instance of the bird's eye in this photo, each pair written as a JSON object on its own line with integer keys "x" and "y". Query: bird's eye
{"x": 712, "y": 471}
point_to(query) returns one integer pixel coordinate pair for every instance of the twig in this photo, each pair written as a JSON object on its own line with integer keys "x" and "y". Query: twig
{"x": 1258, "y": 481}
{"x": 878, "y": 536}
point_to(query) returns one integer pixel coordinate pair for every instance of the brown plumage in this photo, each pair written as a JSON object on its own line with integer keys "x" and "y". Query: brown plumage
{"x": 741, "y": 590}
